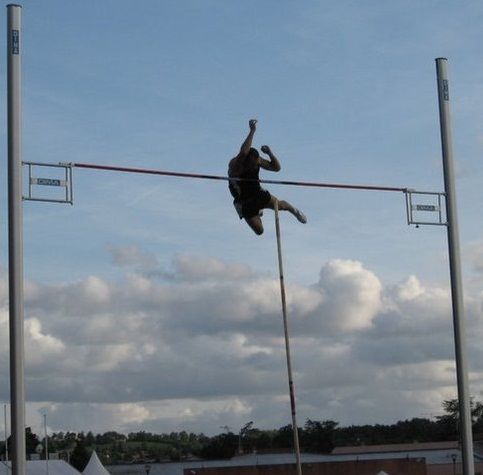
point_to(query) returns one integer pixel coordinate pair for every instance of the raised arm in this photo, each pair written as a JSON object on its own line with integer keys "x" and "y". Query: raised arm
{"x": 273, "y": 164}
{"x": 236, "y": 164}
{"x": 246, "y": 145}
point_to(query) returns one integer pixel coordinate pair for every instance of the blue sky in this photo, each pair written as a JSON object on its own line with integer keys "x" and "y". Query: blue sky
{"x": 344, "y": 92}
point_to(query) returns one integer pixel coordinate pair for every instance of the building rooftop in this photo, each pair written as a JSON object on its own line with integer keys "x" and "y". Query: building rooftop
{"x": 370, "y": 449}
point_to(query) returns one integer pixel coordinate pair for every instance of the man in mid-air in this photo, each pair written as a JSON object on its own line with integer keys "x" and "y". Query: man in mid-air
{"x": 249, "y": 197}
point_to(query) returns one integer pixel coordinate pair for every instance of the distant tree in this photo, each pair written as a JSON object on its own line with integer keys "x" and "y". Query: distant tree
{"x": 140, "y": 436}
{"x": 242, "y": 435}
{"x": 256, "y": 439}
{"x": 183, "y": 437}
{"x": 283, "y": 438}
{"x": 451, "y": 409}
{"x": 448, "y": 423}
{"x": 222, "y": 446}
{"x": 31, "y": 441}
{"x": 318, "y": 436}
{"x": 70, "y": 439}
{"x": 109, "y": 437}
{"x": 415, "y": 430}
{"x": 79, "y": 456}
{"x": 90, "y": 439}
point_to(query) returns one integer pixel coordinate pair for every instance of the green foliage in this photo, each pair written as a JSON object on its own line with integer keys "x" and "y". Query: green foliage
{"x": 31, "y": 442}
{"x": 283, "y": 438}
{"x": 319, "y": 436}
{"x": 222, "y": 446}
{"x": 451, "y": 409}
{"x": 315, "y": 436}
{"x": 80, "y": 456}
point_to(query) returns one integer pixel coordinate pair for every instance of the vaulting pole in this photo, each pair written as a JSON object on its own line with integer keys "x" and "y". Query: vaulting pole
{"x": 15, "y": 239}
{"x": 287, "y": 345}
{"x": 455, "y": 270}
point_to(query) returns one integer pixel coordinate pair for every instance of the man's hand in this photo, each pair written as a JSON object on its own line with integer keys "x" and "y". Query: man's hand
{"x": 246, "y": 145}
{"x": 273, "y": 164}
{"x": 253, "y": 125}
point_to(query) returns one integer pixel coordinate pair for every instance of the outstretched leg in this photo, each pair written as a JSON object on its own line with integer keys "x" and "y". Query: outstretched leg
{"x": 286, "y": 206}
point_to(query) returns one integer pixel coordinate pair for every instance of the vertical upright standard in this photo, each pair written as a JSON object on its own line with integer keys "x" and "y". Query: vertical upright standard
{"x": 15, "y": 239}
{"x": 6, "y": 433}
{"x": 46, "y": 446}
{"x": 287, "y": 346}
{"x": 455, "y": 269}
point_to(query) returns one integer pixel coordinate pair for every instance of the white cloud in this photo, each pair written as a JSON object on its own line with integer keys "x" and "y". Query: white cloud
{"x": 41, "y": 346}
{"x": 352, "y": 295}
{"x": 410, "y": 289}
{"x": 96, "y": 290}
{"x": 132, "y": 413}
{"x": 132, "y": 256}
{"x": 195, "y": 268}
{"x": 196, "y": 353}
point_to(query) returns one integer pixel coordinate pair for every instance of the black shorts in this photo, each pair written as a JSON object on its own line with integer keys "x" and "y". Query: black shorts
{"x": 250, "y": 207}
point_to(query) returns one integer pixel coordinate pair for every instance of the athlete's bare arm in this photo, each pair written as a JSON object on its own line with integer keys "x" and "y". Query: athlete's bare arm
{"x": 235, "y": 166}
{"x": 246, "y": 145}
{"x": 273, "y": 164}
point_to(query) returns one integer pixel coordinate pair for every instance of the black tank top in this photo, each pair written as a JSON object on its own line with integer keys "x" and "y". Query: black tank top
{"x": 242, "y": 190}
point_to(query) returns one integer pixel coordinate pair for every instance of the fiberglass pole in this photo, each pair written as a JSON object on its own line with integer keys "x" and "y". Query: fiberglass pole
{"x": 455, "y": 270}
{"x": 287, "y": 345}
{"x": 15, "y": 240}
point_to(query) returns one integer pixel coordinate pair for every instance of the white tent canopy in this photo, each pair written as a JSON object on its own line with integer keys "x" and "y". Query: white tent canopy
{"x": 95, "y": 467}
{"x": 39, "y": 467}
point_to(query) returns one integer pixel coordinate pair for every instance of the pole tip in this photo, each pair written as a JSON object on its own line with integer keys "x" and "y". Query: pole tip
{"x": 14, "y": 5}
{"x": 441, "y": 59}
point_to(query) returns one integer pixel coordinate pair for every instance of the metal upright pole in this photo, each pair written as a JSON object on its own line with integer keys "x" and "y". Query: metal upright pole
{"x": 287, "y": 346}
{"x": 15, "y": 239}
{"x": 6, "y": 433}
{"x": 455, "y": 270}
{"x": 46, "y": 446}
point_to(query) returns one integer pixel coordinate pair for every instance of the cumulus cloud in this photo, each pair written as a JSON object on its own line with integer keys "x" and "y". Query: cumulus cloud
{"x": 41, "y": 345}
{"x": 410, "y": 289}
{"x": 196, "y": 268}
{"x": 351, "y": 294}
{"x": 205, "y": 347}
{"x": 182, "y": 267}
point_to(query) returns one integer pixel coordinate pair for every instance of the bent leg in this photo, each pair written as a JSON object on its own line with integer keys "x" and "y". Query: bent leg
{"x": 256, "y": 224}
{"x": 286, "y": 206}
{"x": 282, "y": 205}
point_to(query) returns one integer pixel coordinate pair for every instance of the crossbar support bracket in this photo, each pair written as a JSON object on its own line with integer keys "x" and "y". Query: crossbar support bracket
{"x": 420, "y": 204}
{"x": 60, "y": 178}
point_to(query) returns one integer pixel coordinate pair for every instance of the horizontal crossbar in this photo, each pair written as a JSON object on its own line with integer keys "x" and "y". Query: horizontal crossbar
{"x": 217, "y": 177}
